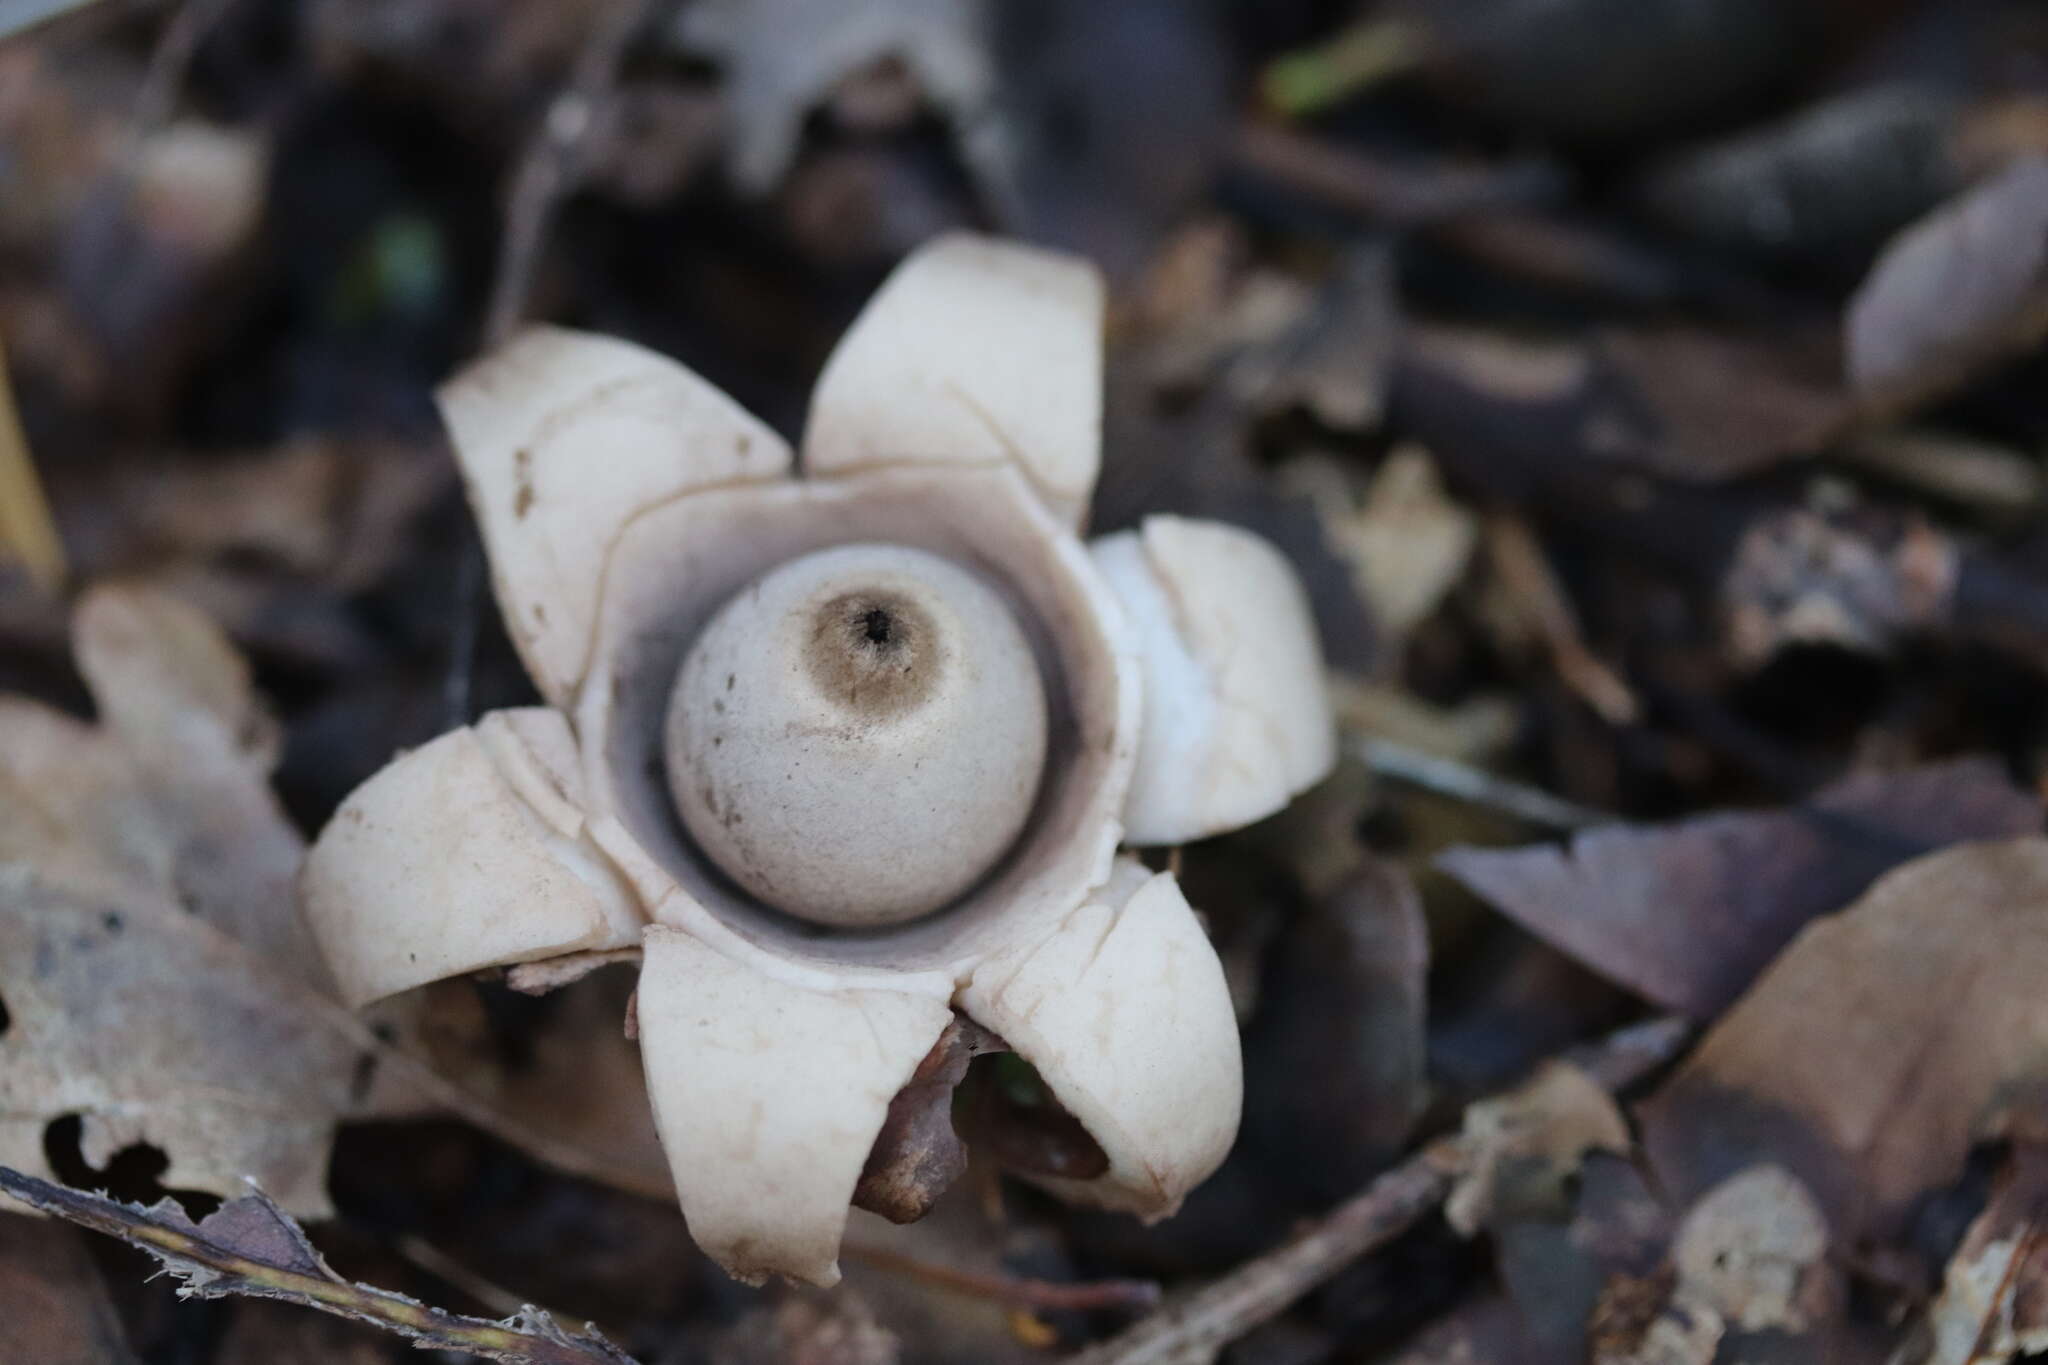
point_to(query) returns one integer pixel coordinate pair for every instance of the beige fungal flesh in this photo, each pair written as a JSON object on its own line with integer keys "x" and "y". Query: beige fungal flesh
{"x": 849, "y": 750}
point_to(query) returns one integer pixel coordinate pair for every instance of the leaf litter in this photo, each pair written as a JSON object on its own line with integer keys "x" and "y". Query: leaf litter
{"x": 1533, "y": 333}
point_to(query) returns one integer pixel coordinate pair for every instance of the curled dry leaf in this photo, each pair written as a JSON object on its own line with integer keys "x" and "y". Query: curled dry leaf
{"x": 1866, "y": 1059}
{"x": 1686, "y": 914}
{"x": 917, "y": 1156}
{"x": 1961, "y": 290}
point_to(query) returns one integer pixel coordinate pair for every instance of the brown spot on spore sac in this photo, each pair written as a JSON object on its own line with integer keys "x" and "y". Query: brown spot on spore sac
{"x": 877, "y": 653}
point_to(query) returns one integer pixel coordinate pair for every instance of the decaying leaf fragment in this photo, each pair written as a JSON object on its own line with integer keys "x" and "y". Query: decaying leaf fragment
{"x": 1960, "y": 290}
{"x": 1524, "y": 1146}
{"x": 1848, "y": 577}
{"x": 1867, "y": 1058}
{"x": 57, "y": 1310}
{"x": 1994, "y": 1298}
{"x": 1406, "y": 541}
{"x": 1686, "y": 914}
{"x": 1687, "y": 403}
{"x": 1749, "y": 1258}
{"x": 772, "y": 82}
{"x": 157, "y": 981}
{"x": 917, "y": 1156}
{"x": 1343, "y": 1001}
{"x": 152, "y": 1027}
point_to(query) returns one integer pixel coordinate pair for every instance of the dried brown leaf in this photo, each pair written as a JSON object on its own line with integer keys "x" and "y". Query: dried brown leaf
{"x": 1961, "y": 290}
{"x": 164, "y": 806}
{"x": 1407, "y": 542}
{"x": 57, "y": 1310}
{"x": 1686, "y": 914}
{"x": 1335, "y": 359}
{"x": 1344, "y": 1001}
{"x": 152, "y": 1026}
{"x": 1832, "y": 180}
{"x": 582, "y": 1049}
{"x": 1866, "y": 1058}
{"x": 177, "y": 699}
{"x": 1683, "y": 402}
{"x": 917, "y": 1156}
{"x": 1709, "y": 407}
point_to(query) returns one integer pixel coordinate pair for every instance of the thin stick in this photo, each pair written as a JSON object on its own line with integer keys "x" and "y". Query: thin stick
{"x": 549, "y": 170}
{"x": 446, "y": 1268}
{"x": 1463, "y": 782}
{"x": 168, "y": 62}
{"x": 552, "y": 163}
{"x": 1192, "y": 1330}
{"x": 288, "y": 1268}
{"x": 1525, "y": 572}
{"x": 1016, "y": 1292}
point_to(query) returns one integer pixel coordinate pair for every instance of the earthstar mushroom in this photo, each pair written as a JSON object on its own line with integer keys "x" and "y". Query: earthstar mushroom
{"x": 849, "y": 752}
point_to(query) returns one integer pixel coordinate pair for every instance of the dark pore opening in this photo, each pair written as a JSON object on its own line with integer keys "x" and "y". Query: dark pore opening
{"x": 876, "y": 625}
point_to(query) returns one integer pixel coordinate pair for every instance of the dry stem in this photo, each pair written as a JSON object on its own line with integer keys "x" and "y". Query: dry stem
{"x": 1192, "y": 1330}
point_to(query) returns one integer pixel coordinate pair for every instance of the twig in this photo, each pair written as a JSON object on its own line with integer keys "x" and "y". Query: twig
{"x": 548, "y": 170}
{"x": 566, "y": 1157}
{"x": 1997, "y": 1320}
{"x": 1018, "y": 1293}
{"x": 1463, "y": 782}
{"x": 26, "y": 528}
{"x": 168, "y": 63}
{"x": 1309, "y": 80}
{"x": 1384, "y": 192}
{"x": 1192, "y": 1330}
{"x": 1520, "y": 565}
{"x": 552, "y": 163}
{"x": 446, "y": 1268}
{"x": 253, "y": 1247}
